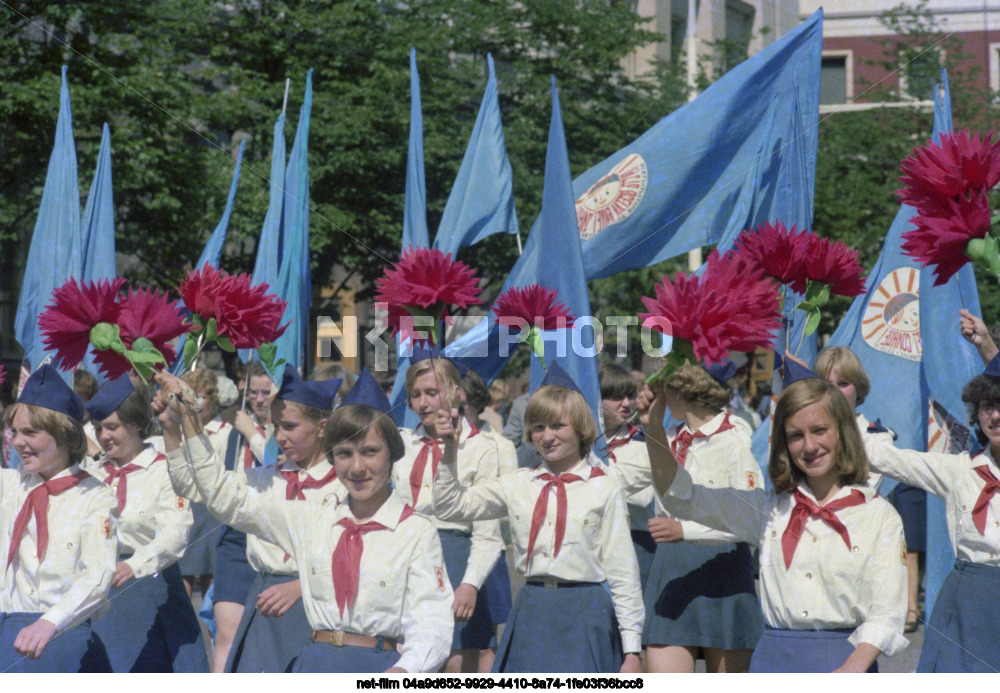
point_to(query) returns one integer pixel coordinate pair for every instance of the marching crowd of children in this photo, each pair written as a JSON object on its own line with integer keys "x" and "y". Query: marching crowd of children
{"x": 336, "y": 542}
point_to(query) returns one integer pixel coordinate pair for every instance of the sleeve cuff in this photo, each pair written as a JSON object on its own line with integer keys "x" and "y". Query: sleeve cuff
{"x": 886, "y": 638}
{"x": 56, "y": 616}
{"x": 631, "y": 641}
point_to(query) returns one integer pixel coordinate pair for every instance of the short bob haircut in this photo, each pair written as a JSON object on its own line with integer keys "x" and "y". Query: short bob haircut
{"x": 67, "y": 431}
{"x": 694, "y": 385}
{"x": 851, "y": 460}
{"x": 982, "y": 388}
{"x": 447, "y": 374}
{"x": 848, "y": 367}
{"x": 550, "y": 402}
{"x": 206, "y": 381}
{"x": 477, "y": 394}
{"x": 85, "y": 384}
{"x": 349, "y": 422}
{"x": 135, "y": 411}
{"x": 616, "y": 382}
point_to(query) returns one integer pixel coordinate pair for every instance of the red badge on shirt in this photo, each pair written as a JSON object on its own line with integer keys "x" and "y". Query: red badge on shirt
{"x": 439, "y": 574}
{"x": 751, "y": 480}
{"x": 182, "y": 503}
{"x": 902, "y": 550}
{"x": 106, "y": 527}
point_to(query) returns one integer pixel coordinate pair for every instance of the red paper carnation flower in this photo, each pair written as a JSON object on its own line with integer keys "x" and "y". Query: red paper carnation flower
{"x": 962, "y": 163}
{"x": 203, "y": 291}
{"x": 835, "y": 264}
{"x": 780, "y": 253}
{"x": 248, "y": 316}
{"x": 942, "y": 240}
{"x": 74, "y": 309}
{"x": 535, "y": 305}
{"x": 426, "y": 281}
{"x": 730, "y": 307}
{"x": 144, "y": 314}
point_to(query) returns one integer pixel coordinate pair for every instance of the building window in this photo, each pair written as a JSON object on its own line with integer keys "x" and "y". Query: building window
{"x": 919, "y": 76}
{"x": 833, "y": 80}
{"x": 995, "y": 69}
{"x": 739, "y": 29}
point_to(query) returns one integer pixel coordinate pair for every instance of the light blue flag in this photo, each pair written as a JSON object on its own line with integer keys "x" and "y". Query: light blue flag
{"x": 56, "y": 252}
{"x": 268, "y": 260}
{"x": 97, "y": 232}
{"x": 212, "y": 252}
{"x": 482, "y": 199}
{"x": 742, "y": 153}
{"x": 905, "y": 331}
{"x": 294, "y": 279}
{"x": 415, "y": 233}
{"x": 556, "y": 262}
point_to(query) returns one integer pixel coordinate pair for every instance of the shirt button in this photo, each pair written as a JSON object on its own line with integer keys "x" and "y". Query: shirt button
{"x": 809, "y": 576}
{"x": 774, "y": 533}
{"x": 711, "y": 483}
{"x": 584, "y": 522}
{"x": 313, "y": 571}
{"x": 381, "y": 583}
{"x": 517, "y": 517}
{"x": 69, "y": 545}
{"x": 815, "y": 539}
{"x": 550, "y": 524}
{"x": 996, "y": 524}
{"x": 963, "y": 507}
{"x": 805, "y": 614}
{"x": 426, "y": 486}
{"x": 855, "y": 549}
{"x": 141, "y": 512}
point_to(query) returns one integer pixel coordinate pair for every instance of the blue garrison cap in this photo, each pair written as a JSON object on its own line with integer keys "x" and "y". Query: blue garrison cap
{"x": 557, "y": 376}
{"x": 423, "y": 351}
{"x": 722, "y": 371}
{"x": 109, "y": 398}
{"x": 792, "y": 369}
{"x": 367, "y": 392}
{"x": 318, "y": 394}
{"x": 46, "y": 388}
{"x": 993, "y": 367}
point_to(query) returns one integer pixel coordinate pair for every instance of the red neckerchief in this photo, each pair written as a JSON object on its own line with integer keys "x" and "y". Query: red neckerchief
{"x": 983, "y": 502}
{"x": 295, "y": 486}
{"x": 682, "y": 442}
{"x": 620, "y": 441}
{"x": 346, "y": 562}
{"x": 541, "y": 506}
{"x": 806, "y": 508}
{"x": 247, "y": 455}
{"x": 121, "y": 473}
{"x": 37, "y": 504}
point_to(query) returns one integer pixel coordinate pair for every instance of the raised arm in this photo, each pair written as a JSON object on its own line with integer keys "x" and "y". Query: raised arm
{"x": 974, "y": 330}
{"x": 453, "y": 502}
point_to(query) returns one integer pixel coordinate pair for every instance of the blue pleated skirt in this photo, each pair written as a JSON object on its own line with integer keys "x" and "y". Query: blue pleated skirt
{"x": 568, "y": 629}
{"x": 233, "y": 574}
{"x": 74, "y": 650}
{"x": 911, "y": 504}
{"x": 199, "y": 556}
{"x": 702, "y": 596}
{"x": 324, "y": 658}
{"x": 961, "y": 635}
{"x": 496, "y": 590}
{"x": 152, "y": 627}
{"x": 477, "y": 632}
{"x": 268, "y": 644}
{"x": 645, "y": 551}
{"x": 802, "y": 651}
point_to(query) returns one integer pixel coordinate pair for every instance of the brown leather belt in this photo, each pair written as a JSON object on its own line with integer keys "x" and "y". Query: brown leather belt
{"x": 339, "y": 638}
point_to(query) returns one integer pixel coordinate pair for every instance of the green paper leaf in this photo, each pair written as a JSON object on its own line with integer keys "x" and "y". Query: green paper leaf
{"x": 267, "y": 351}
{"x": 225, "y": 343}
{"x": 985, "y": 252}
{"x": 212, "y": 330}
{"x": 812, "y": 322}
{"x": 190, "y": 351}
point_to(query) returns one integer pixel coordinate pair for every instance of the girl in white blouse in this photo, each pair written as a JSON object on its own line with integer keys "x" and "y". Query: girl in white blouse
{"x": 832, "y": 556}
{"x": 373, "y": 582}
{"x": 151, "y": 625}
{"x": 58, "y": 540}
{"x": 570, "y": 533}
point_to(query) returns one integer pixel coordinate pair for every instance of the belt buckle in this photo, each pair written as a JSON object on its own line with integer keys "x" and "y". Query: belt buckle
{"x": 550, "y": 582}
{"x": 337, "y": 638}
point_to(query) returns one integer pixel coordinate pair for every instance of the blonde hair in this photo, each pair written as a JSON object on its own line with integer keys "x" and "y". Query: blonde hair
{"x": 67, "y": 431}
{"x": 848, "y": 367}
{"x": 849, "y": 456}
{"x": 447, "y": 375}
{"x": 206, "y": 381}
{"x": 696, "y": 386}
{"x": 550, "y": 402}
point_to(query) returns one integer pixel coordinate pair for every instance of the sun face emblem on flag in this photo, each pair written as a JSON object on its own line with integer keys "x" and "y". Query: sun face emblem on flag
{"x": 892, "y": 319}
{"x": 945, "y": 433}
{"x": 612, "y": 198}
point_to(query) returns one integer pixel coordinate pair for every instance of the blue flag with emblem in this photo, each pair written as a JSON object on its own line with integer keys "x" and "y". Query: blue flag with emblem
{"x": 905, "y": 332}
{"x": 742, "y": 153}
{"x": 97, "y": 232}
{"x": 56, "y": 252}
{"x": 294, "y": 277}
{"x": 481, "y": 202}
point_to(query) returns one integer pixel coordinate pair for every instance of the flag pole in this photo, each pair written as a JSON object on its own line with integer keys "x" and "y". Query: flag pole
{"x": 284, "y": 103}
{"x": 520, "y": 250}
